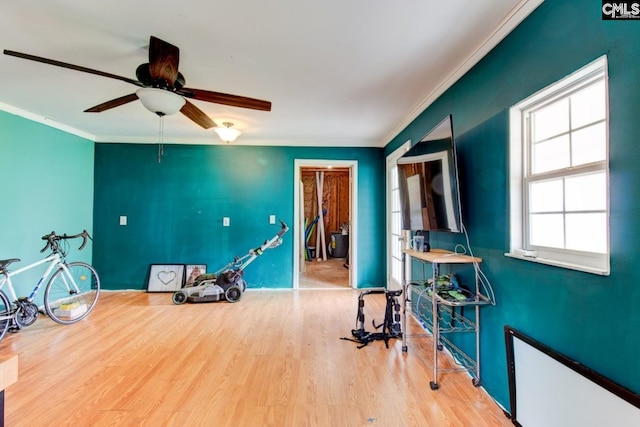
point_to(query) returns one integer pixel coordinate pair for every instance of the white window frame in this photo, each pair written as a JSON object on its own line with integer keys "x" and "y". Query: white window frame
{"x": 576, "y": 260}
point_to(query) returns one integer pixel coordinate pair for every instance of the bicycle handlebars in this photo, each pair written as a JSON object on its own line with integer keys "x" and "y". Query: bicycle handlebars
{"x": 52, "y": 239}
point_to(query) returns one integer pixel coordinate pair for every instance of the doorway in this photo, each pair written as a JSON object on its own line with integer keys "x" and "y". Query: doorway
{"x": 325, "y": 233}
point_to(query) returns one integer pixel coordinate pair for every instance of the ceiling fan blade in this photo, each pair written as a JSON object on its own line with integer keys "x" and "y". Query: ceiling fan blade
{"x": 112, "y": 104}
{"x": 70, "y": 66}
{"x": 226, "y": 99}
{"x": 197, "y": 115}
{"x": 163, "y": 60}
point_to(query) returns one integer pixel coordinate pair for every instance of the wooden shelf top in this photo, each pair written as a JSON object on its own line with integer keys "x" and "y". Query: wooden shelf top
{"x": 441, "y": 256}
{"x": 8, "y": 370}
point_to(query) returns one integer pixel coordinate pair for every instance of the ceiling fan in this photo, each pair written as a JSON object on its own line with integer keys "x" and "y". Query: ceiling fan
{"x": 160, "y": 78}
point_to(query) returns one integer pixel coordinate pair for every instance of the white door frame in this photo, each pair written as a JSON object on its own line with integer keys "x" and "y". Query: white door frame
{"x": 353, "y": 214}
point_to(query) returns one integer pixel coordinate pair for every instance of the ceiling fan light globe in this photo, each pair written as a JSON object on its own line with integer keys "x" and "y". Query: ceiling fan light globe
{"x": 160, "y": 101}
{"x": 227, "y": 133}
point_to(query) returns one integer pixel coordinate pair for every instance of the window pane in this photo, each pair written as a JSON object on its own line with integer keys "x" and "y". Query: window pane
{"x": 395, "y": 223}
{"x": 587, "y": 232}
{"x": 589, "y": 144}
{"x": 586, "y": 192}
{"x": 395, "y": 201}
{"x": 546, "y": 196}
{"x": 588, "y": 105}
{"x": 395, "y": 268}
{"x": 550, "y": 121}
{"x": 551, "y": 155}
{"x": 546, "y": 230}
{"x": 397, "y": 247}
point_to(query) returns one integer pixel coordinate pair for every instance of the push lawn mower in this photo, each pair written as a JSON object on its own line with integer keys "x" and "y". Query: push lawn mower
{"x": 226, "y": 283}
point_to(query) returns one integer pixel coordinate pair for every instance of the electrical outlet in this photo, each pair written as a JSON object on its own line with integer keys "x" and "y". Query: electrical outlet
{"x": 225, "y": 221}
{"x": 272, "y": 219}
{"x": 123, "y": 220}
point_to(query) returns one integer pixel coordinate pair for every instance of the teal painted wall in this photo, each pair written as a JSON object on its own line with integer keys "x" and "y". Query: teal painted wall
{"x": 175, "y": 209}
{"x": 47, "y": 184}
{"x": 590, "y": 318}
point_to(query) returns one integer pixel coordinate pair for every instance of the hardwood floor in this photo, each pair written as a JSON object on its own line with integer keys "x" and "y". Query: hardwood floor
{"x": 325, "y": 274}
{"x": 272, "y": 359}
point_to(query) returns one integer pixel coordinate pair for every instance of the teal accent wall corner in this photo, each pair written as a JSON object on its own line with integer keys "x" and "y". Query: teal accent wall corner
{"x": 47, "y": 179}
{"x": 592, "y": 319}
{"x": 174, "y": 209}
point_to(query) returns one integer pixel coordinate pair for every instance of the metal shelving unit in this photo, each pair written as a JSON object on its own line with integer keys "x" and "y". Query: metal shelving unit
{"x": 442, "y": 317}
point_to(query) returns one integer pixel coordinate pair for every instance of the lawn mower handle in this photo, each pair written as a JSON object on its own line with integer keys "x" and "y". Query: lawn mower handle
{"x": 284, "y": 228}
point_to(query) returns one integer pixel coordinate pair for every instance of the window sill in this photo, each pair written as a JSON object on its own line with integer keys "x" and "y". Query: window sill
{"x": 570, "y": 266}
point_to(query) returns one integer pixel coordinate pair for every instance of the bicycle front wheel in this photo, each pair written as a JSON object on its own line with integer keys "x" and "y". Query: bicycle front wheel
{"x": 5, "y": 314}
{"x": 71, "y": 293}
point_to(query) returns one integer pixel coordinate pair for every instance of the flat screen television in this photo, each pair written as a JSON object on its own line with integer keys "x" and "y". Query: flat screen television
{"x": 428, "y": 183}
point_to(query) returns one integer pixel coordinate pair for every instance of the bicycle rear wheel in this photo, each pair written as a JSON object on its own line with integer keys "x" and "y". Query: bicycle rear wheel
{"x": 5, "y": 314}
{"x": 71, "y": 294}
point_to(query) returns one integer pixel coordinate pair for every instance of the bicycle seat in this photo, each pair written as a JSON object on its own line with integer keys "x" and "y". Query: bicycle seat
{"x": 5, "y": 262}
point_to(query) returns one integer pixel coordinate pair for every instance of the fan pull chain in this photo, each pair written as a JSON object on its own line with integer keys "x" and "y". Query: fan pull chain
{"x": 161, "y": 138}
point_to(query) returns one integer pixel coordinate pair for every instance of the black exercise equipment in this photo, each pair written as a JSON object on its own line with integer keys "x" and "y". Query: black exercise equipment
{"x": 391, "y": 327}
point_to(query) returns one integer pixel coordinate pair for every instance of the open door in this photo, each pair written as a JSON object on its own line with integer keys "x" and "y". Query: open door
{"x": 325, "y": 228}
{"x": 394, "y": 226}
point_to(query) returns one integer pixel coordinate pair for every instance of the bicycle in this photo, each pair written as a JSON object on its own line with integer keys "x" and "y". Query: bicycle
{"x": 70, "y": 294}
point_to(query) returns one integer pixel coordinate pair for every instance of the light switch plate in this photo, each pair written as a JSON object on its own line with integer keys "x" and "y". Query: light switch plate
{"x": 123, "y": 220}
{"x": 225, "y": 221}
{"x": 272, "y": 219}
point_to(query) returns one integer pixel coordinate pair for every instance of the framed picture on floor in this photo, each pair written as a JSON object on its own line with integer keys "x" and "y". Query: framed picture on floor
{"x": 193, "y": 271}
{"x": 165, "y": 277}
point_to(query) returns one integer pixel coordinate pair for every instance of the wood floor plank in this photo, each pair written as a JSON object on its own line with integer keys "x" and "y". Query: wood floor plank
{"x": 275, "y": 358}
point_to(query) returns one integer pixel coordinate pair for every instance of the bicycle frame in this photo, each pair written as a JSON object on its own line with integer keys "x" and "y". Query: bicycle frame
{"x": 63, "y": 300}
{"x": 54, "y": 259}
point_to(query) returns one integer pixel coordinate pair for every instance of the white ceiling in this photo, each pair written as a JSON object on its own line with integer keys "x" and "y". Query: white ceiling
{"x": 338, "y": 72}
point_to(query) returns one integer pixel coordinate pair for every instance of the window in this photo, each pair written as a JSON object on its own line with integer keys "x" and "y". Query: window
{"x": 559, "y": 180}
